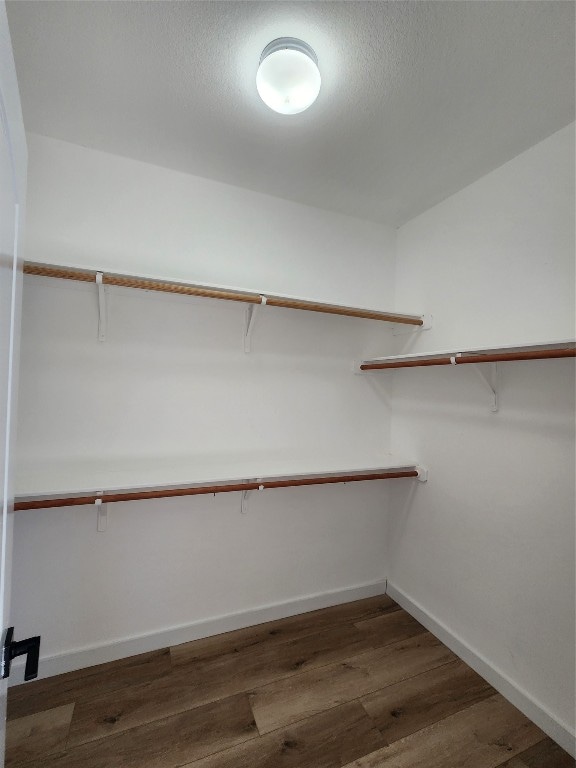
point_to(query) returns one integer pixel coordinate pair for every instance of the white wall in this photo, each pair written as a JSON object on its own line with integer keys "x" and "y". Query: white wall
{"x": 486, "y": 548}
{"x": 494, "y": 263}
{"x": 92, "y": 209}
{"x": 186, "y": 568}
{"x": 172, "y": 382}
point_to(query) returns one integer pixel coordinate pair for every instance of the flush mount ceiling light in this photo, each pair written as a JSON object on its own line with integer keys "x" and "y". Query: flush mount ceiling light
{"x": 288, "y": 78}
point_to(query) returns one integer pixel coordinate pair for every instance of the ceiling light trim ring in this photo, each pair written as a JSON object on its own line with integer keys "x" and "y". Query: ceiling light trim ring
{"x": 290, "y": 44}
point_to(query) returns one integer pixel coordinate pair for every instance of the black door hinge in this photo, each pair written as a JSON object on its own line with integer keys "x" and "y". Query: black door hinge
{"x": 29, "y": 648}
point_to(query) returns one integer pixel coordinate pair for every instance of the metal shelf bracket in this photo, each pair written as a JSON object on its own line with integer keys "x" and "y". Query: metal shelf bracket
{"x": 250, "y": 322}
{"x": 244, "y": 496}
{"x": 102, "y": 515}
{"x": 490, "y": 378}
{"x": 101, "y": 306}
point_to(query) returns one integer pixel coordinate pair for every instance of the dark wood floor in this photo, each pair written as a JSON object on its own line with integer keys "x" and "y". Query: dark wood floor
{"x": 360, "y": 685}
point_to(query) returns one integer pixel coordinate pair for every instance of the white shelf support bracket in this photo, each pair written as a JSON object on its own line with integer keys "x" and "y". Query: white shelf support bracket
{"x": 402, "y": 331}
{"x": 101, "y": 306}
{"x": 250, "y": 322}
{"x": 422, "y": 474}
{"x": 490, "y": 379}
{"x": 245, "y": 496}
{"x": 101, "y": 515}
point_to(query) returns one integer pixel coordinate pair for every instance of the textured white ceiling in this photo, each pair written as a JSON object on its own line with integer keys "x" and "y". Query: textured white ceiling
{"x": 418, "y": 98}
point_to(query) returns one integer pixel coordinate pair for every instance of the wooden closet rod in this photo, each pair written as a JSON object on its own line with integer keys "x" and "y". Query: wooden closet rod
{"x": 463, "y": 359}
{"x": 45, "y": 270}
{"x": 165, "y": 493}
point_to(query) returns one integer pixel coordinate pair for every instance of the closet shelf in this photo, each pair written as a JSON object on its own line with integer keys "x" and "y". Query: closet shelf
{"x": 541, "y": 351}
{"x": 214, "y": 483}
{"x": 215, "y": 292}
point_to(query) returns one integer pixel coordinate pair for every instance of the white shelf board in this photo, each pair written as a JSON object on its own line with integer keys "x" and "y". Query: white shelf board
{"x": 88, "y": 477}
{"x": 557, "y": 344}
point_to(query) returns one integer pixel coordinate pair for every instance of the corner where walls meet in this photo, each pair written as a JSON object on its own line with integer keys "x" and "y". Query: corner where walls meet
{"x": 484, "y": 552}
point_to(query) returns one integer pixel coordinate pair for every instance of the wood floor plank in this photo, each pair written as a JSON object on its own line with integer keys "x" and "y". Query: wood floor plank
{"x": 545, "y": 754}
{"x": 211, "y": 679}
{"x": 286, "y": 701}
{"x": 30, "y": 737}
{"x": 326, "y": 741}
{"x": 478, "y": 737}
{"x": 406, "y": 707}
{"x": 87, "y": 683}
{"x": 166, "y": 743}
{"x": 283, "y": 630}
{"x": 356, "y": 686}
{"x": 390, "y": 627}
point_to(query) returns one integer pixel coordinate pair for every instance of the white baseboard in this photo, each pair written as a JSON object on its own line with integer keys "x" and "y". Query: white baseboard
{"x": 131, "y": 646}
{"x": 560, "y": 732}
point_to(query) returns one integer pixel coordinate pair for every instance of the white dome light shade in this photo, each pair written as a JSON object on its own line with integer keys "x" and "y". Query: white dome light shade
{"x": 288, "y": 78}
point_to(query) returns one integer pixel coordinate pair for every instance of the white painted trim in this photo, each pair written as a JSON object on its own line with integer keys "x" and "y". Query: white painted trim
{"x": 131, "y": 646}
{"x": 534, "y": 710}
